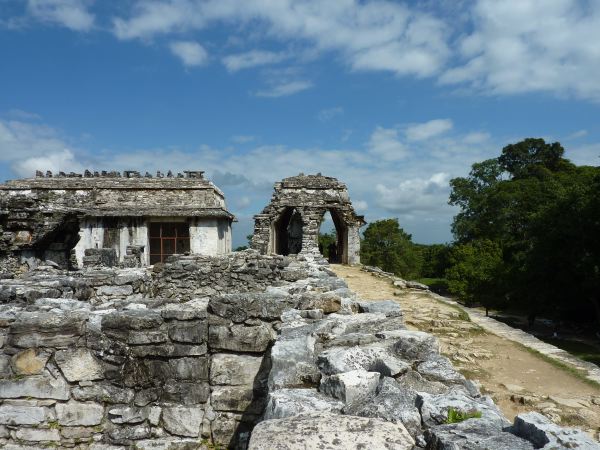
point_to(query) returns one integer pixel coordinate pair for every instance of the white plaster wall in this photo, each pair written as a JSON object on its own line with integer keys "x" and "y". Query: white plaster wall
{"x": 210, "y": 236}
{"x": 91, "y": 235}
{"x": 134, "y": 231}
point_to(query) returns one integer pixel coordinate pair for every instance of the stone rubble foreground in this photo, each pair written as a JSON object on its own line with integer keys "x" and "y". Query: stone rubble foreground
{"x": 241, "y": 350}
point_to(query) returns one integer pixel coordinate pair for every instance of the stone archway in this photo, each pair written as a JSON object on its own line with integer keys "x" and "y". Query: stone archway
{"x": 302, "y": 201}
{"x": 286, "y": 232}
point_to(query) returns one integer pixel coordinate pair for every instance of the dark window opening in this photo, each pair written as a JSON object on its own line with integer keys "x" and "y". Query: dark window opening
{"x": 288, "y": 232}
{"x": 167, "y": 239}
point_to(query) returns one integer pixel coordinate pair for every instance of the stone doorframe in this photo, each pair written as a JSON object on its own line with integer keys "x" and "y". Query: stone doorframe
{"x": 312, "y": 196}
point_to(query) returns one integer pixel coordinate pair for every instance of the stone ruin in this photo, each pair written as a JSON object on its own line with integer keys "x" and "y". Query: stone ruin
{"x": 290, "y": 223}
{"x": 241, "y": 350}
{"x": 108, "y": 218}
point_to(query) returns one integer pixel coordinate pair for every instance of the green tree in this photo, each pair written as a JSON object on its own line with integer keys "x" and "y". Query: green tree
{"x": 474, "y": 271}
{"x": 389, "y": 247}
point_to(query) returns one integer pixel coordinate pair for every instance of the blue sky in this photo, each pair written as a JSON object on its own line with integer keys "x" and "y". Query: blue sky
{"x": 392, "y": 97}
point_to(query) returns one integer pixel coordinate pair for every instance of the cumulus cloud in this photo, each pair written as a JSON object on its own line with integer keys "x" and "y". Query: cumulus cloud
{"x": 329, "y": 113}
{"x": 531, "y": 46}
{"x": 284, "y": 89}
{"x": 72, "y": 14}
{"x": 191, "y": 53}
{"x": 415, "y": 195}
{"x": 253, "y": 58}
{"x": 427, "y": 130}
{"x": 381, "y": 35}
{"x": 384, "y": 143}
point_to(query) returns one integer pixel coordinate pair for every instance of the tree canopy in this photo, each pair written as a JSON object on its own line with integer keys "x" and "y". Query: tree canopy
{"x": 530, "y": 217}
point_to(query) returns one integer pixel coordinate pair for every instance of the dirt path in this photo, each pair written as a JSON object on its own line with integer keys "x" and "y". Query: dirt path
{"x": 517, "y": 379}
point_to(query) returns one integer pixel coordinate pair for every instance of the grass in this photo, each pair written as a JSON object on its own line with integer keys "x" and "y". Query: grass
{"x": 582, "y": 350}
{"x": 582, "y": 375}
{"x": 456, "y": 416}
{"x": 437, "y": 285}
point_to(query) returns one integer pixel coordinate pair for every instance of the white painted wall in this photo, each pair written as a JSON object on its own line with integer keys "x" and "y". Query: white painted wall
{"x": 207, "y": 236}
{"x": 91, "y": 235}
{"x": 210, "y": 236}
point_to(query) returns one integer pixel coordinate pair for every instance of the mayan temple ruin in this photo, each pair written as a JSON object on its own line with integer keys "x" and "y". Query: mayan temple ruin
{"x": 126, "y": 322}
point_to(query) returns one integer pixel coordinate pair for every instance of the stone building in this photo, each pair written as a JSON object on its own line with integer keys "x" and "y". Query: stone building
{"x": 290, "y": 223}
{"x": 111, "y": 218}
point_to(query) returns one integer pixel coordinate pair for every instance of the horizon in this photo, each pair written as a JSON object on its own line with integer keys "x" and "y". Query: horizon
{"x": 392, "y": 98}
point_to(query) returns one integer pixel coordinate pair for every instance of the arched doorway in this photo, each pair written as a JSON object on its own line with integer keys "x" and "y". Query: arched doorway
{"x": 333, "y": 237}
{"x": 287, "y": 232}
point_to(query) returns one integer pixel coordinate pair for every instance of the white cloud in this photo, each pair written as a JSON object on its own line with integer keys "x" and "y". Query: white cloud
{"x": 72, "y": 14}
{"x": 427, "y": 130}
{"x": 253, "y": 58}
{"x": 381, "y": 35}
{"x": 415, "y": 195}
{"x": 329, "y": 113}
{"x": 578, "y": 134}
{"x": 384, "y": 143}
{"x": 531, "y": 46}
{"x": 191, "y": 53}
{"x": 56, "y": 161}
{"x": 360, "y": 205}
{"x": 284, "y": 89}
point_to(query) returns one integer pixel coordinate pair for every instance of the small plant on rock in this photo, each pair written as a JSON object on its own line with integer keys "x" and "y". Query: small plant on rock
{"x": 456, "y": 416}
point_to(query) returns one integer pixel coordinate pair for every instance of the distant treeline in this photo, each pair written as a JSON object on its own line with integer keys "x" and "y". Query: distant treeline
{"x": 527, "y": 236}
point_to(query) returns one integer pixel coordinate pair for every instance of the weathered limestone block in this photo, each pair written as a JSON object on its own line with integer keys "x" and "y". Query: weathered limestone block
{"x": 293, "y": 362}
{"x": 46, "y": 329}
{"x": 5, "y": 370}
{"x": 372, "y": 358}
{"x": 234, "y": 370}
{"x": 241, "y": 307}
{"x": 183, "y": 420}
{"x": 37, "y": 435}
{"x": 103, "y": 393}
{"x": 474, "y": 434}
{"x": 24, "y": 415}
{"x": 132, "y": 320}
{"x": 79, "y": 365}
{"x": 185, "y": 393}
{"x": 412, "y": 345}
{"x": 439, "y": 368}
{"x": 78, "y": 432}
{"x": 542, "y": 433}
{"x": 393, "y": 403}
{"x": 351, "y": 387}
{"x": 75, "y": 413}
{"x": 115, "y": 291}
{"x": 290, "y": 402}
{"x": 143, "y": 337}
{"x": 236, "y": 398}
{"x": 241, "y": 338}
{"x": 194, "y": 309}
{"x": 434, "y": 408}
{"x": 193, "y": 331}
{"x": 225, "y": 426}
{"x": 29, "y": 362}
{"x": 390, "y": 308}
{"x": 328, "y": 302}
{"x": 326, "y": 430}
{"x": 128, "y": 414}
{"x": 189, "y": 368}
{"x": 37, "y": 386}
{"x": 125, "y": 434}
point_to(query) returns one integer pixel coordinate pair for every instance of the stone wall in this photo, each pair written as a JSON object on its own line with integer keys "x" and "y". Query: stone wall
{"x": 274, "y": 351}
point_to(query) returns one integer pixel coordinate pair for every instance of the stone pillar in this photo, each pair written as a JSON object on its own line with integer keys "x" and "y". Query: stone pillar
{"x": 310, "y": 230}
{"x": 354, "y": 244}
{"x": 262, "y": 234}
